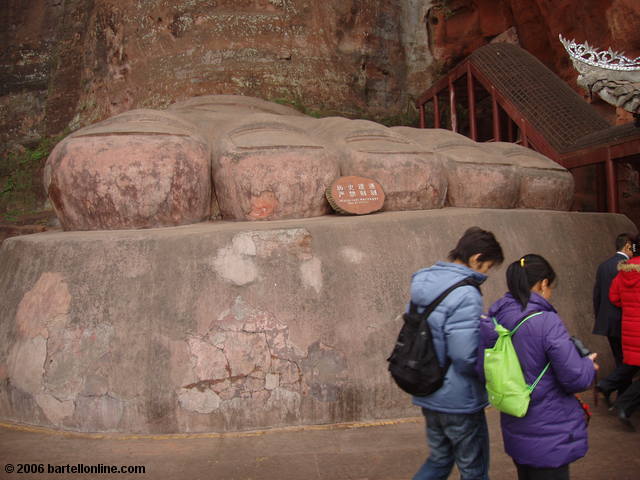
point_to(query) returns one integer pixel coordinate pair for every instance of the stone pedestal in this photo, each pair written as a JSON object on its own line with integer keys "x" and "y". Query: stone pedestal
{"x": 232, "y": 326}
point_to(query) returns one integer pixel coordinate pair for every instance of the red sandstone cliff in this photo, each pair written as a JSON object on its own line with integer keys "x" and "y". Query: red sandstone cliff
{"x": 75, "y": 62}
{"x": 66, "y": 64}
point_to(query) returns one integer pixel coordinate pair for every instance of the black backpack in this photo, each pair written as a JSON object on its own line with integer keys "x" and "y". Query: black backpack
{"x": 413, "y": 364}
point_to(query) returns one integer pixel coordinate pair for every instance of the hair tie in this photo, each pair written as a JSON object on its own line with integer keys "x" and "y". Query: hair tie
{"x": 522, "y": 262}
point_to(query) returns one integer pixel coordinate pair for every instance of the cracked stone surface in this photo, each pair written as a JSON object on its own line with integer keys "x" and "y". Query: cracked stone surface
{"x": 246, "y": 354}
{"x": 147, "y": 331}
{"x": 137, "y": 170}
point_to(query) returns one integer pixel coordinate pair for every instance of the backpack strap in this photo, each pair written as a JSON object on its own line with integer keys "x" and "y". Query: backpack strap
{"x": 546, "y": 367}
{"x": 524, "y": 320}
{"x": 535, "y": 383}
{"x": 413, "y": 308}
{"x": 428, "y": 310}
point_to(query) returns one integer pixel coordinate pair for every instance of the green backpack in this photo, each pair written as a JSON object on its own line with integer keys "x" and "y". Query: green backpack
{"x": 508, "y": 392}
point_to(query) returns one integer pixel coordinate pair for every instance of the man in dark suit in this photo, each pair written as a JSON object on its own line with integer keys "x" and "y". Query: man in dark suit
{"x": 608, "y": 317}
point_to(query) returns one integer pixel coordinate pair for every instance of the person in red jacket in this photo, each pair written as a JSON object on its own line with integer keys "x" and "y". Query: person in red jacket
{"x": 625, "y": 293}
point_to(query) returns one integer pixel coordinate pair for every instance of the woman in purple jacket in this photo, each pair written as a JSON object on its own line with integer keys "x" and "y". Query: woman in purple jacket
{"x": 553, "y": 433}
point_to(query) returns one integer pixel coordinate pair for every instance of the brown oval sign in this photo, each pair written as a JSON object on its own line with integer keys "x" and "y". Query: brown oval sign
{"x": 355, "y": 195}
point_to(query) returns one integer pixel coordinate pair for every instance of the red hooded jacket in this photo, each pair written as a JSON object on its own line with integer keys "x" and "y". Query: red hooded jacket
{"x": 625, "y": 293}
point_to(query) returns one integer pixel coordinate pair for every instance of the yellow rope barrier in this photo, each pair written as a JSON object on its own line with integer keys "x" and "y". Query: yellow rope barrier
{"x": 176, "y": 436}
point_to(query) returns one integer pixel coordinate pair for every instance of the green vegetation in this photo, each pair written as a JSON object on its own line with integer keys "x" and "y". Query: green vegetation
{"x": 409, "y": 117}
{"x": 446, "y": 6}
{"x": 21, "y": 189}
{"x": 298, "y": 105}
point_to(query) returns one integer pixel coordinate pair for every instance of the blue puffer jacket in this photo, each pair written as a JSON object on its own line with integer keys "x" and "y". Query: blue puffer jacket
{"x": 554, "y": 431}
{"x": 454, "y": 326}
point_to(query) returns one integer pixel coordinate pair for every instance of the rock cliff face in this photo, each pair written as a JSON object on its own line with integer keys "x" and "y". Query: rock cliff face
{"x": 70, "y": 63}
{"x": 75, "y": 62}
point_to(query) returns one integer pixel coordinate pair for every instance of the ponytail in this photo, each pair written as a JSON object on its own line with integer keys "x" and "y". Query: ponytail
{"x": 524, "y": 273}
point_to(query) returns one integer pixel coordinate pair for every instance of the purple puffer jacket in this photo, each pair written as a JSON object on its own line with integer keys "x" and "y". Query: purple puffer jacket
{"x": 554, "y": 431}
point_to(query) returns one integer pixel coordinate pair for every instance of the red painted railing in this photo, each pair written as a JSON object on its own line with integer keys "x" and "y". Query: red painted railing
{"x": 529, "y": 136}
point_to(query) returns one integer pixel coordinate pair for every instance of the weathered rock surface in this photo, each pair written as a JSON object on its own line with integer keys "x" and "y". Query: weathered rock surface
{"x": 214, "y": 108}
{"x": 76, "y": 62}
{"x": 236, "y": 326}
{"x": 70, "y": 64}
{"x": 266, "y": 168}
{"x": 241, "y": 158}
{"x": 412, "y": 177}
{"x": 496, "y": 174}
{"x": 141, "y": 169}
{"x": 543, "y": 183}
{"x": 476, "y": 177}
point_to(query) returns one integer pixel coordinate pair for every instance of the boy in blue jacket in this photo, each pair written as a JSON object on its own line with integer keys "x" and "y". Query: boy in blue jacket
{"x": 456, "y": 424}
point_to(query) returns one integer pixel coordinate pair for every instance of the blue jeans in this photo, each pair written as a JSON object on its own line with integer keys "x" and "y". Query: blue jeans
{"x": 462, "y": 438}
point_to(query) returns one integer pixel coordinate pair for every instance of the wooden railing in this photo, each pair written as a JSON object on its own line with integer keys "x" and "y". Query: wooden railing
{"x": 529, "y": 136}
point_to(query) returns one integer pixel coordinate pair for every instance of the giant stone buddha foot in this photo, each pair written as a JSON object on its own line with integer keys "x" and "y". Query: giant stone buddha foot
{"x": 240, "y": 158}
